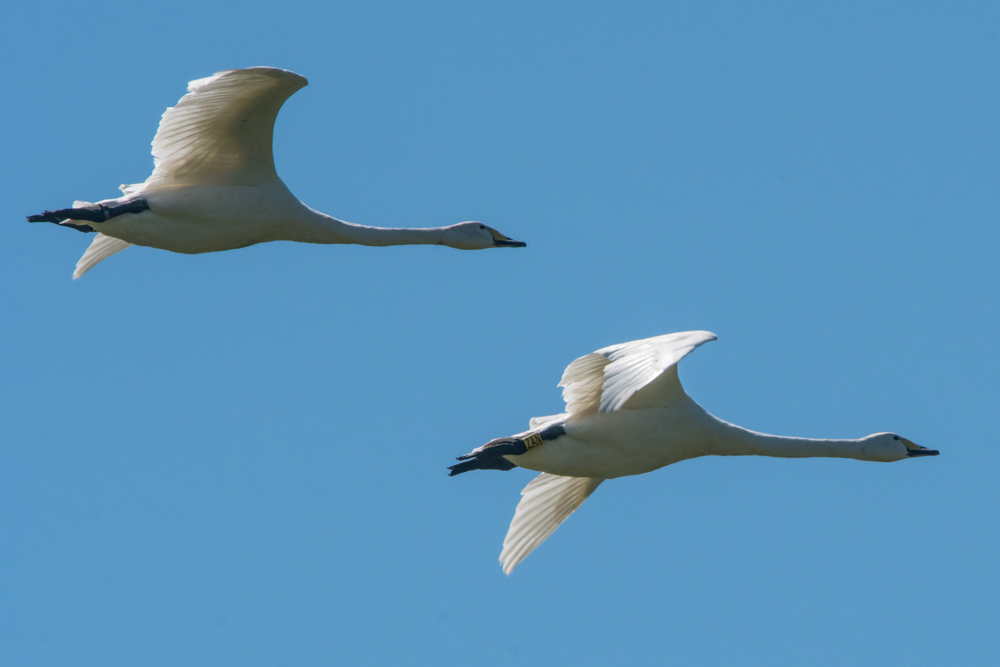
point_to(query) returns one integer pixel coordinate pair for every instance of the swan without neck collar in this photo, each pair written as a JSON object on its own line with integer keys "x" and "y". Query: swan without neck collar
{"x": 214, "y": 186}
{"x": 627, "y": 414}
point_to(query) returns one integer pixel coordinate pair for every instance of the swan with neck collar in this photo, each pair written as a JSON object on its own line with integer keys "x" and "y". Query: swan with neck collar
{"x": 627, "y": 414}
{"x": 214, "y": 186}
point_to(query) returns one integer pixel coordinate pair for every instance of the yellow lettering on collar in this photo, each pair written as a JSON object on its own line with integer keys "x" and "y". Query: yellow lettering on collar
{"x": 533, "y": 440}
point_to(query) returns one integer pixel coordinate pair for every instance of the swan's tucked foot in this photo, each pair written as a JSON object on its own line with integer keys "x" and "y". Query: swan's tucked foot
{"x": 95, "y": 213}
{"x": 57, "y": 218}
{"x": 51, "y": 216}
{"x": 491, "y": 455}
{"x": 98, "y": 214}
{"x": 489, "y": 463}
{"x": 504, "y": 447}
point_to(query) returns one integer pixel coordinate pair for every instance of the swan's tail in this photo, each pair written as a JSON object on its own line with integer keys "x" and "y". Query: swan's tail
{"x": 102, "y": 248}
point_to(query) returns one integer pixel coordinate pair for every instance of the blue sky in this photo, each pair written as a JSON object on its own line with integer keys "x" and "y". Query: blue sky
{"x": 239, "y": 458}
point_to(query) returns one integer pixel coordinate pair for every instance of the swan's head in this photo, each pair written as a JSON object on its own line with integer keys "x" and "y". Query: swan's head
{"x": 892, "y": 447}
{"x": 477, "y": 236}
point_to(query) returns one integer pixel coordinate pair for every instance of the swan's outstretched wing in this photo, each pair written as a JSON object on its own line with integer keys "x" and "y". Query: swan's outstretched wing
{"x": 100, "y": 249}
{"x": 642, "y": 373}
{"x": 220, "y": 133}
{"x": 545, "y": 503}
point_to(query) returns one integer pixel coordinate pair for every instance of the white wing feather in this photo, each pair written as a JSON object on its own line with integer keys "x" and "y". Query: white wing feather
{"x": 221, "y": 132}
{"x": 605, "y": 380}
{"x": 581, "y": 383}
{"x": 545, "y": 503}
{"x": 540, "y": 422}
{"x": 100, "y": 249}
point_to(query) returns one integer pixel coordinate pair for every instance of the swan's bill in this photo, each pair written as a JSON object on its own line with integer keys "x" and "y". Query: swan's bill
{"x": 501, "y": 241}
{"x": 913, "y": 449}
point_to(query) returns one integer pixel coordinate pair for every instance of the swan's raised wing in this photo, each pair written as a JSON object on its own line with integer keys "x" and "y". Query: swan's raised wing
{"x": 641, "y": 373}
{"x": 545, "y": 503}
{"x": 220, "y": 132}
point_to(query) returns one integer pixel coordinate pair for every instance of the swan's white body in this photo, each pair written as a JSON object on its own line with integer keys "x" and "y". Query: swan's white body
{"x": 193, "y": 219}
{"x": 214, "y": 186}
{"x": 627, "y": 414}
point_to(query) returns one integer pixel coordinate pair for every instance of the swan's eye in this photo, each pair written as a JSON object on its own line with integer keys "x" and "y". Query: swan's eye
{"x": 482, "y": 226}
{"x": 895, "y": 437}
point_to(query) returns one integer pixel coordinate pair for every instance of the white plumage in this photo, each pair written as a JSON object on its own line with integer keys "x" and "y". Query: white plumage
{"x": 214, "y": 186}
{"x": 627, "y": 414}
{"x": 221, "y": 132}
{"x": 608, "y": 378}
{"x": 100, "y": 249}
{"x": 545, "y": 503}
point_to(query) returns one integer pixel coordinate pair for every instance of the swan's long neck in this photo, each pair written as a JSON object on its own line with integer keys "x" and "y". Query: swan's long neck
{"x": 733, "y": 440}
{"x": 316, "y": 227}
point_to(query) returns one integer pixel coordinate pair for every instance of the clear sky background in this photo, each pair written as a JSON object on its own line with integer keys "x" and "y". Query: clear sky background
{"x": 239, "y": 458}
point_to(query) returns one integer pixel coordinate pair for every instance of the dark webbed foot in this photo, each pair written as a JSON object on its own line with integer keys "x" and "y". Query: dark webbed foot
{"x": 62, "y": 221}
{"x": 491, "y": 455}
{"x": 96, "y": 213}
{"x": 86, "y": 229}
{"x": 498, "y": 463}
{"x": 499, "y": 447}
{"x": 57, "y": 216}
{"x": 48, "y": 216}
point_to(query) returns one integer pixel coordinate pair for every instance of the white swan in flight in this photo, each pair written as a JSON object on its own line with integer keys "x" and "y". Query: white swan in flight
{"x": 214, "y": 186}
{"x": 627, "y": 414}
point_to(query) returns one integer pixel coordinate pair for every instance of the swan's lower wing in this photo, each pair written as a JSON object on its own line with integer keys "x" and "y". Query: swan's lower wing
{"x": 545, "y": 503}
{"x": 100, "y": 249}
